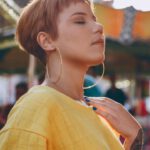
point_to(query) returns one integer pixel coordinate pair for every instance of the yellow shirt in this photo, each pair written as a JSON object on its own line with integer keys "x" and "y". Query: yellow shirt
{"x": 46, "y": 119}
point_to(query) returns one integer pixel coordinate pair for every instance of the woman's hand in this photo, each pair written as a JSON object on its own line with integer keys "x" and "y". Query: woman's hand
{"x": 120, "y": 120}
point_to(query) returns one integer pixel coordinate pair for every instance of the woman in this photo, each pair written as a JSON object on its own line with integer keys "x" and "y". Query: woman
{"x": 65, "y": 36}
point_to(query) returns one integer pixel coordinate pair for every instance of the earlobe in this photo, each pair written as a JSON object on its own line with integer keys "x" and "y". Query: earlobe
{"x": 45, "y": 41}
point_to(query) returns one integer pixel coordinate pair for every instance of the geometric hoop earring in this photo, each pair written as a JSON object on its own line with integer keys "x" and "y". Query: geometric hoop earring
{"x": 88, "y": 87}
{"x": 61, "y": 65}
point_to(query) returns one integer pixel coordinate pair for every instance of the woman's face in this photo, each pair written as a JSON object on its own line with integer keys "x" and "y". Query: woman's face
{"x": 80, "y": 37}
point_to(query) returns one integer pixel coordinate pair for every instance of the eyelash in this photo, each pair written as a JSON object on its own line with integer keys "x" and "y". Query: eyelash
{"x": 80, "y": 22}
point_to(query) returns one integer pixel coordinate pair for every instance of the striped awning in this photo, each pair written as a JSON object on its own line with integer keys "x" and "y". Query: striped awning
{"x": 113, "y": 21}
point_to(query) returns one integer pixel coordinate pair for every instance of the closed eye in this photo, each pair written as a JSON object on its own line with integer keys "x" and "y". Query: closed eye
{"x": 80, "y": 22}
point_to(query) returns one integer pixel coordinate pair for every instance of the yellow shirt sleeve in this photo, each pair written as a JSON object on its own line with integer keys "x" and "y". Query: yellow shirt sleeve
{"x": 44, "y": 119}
{"x": 21, "y": 140}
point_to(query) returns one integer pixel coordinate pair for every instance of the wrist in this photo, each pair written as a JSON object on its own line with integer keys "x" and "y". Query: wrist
{"x": 134, "y": 132}
{"x": 134, "y": 143}
{"x": 128, "y": 143}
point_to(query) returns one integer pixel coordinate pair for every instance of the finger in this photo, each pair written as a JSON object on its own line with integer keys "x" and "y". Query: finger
{"x": 110, "y": 101}
{"x": 103, "y": 99}
{"x": 96, "y": 98}
{"x": 100, "y": 100}
{"x": 102, "y": 106}
{"x": 105, "y": 112}
{"x": 96, "y": 104}
{"x": 99, "y": 107}
{"x": 106, "y": 104}
{"x": 109, "y": 117}
{"x": 111, "y": 104}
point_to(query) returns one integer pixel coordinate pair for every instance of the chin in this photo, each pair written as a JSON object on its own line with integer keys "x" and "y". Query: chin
{"x": 98, "y": 61}
{"x": 97, "y": 56}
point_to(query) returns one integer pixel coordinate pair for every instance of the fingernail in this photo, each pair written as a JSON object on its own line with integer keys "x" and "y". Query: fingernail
{"x": 94, "y": 108}
{"x": 86, "y": 99}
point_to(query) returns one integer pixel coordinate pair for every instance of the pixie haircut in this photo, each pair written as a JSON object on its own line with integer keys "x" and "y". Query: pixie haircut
{"x": 37, "y": 16}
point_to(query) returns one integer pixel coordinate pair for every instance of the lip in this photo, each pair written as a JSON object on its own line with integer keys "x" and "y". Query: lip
{"x": 98, "y": 41}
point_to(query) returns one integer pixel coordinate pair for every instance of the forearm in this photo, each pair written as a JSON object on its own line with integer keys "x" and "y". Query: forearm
{"x": 135, "y": 143}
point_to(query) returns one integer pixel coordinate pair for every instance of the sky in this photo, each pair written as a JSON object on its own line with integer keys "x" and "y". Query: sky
{"x": 142, "y": 5}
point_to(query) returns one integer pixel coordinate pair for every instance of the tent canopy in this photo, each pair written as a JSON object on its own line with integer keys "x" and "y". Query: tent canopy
{"x": 113, "y": 19}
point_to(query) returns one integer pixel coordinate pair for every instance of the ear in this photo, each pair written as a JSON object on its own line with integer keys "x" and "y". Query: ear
{"x": 45, "y": 41}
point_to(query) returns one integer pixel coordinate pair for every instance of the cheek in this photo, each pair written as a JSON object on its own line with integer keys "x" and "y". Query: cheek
{"x": 75, "y": 36}
{"x": 75, "y": 45}
{"x": 74, "y": 40}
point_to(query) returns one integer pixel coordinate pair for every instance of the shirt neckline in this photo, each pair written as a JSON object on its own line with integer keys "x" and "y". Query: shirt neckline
{"x": 68, "y": 98}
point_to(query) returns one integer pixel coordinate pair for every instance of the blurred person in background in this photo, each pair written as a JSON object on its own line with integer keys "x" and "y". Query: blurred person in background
{"x": 20, "y": 89}
{"x": 1, "y": 118}
{"x": 115, "y": 93}
{"x": 90, "y": 79}
{"x": 140, "y": 107}
{"x": 4, "y": 114}
{"x": 94, "y": 91}
{"x": 55, "y": 115}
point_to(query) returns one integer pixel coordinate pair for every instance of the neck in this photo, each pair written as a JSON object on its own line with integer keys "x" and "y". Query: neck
{"x": 71, "y": 80}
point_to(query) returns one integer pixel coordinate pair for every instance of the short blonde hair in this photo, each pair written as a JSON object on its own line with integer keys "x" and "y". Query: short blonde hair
{"x": 37, "y": 16}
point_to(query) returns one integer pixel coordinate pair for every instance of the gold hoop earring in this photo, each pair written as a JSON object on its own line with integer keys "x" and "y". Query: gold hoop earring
{"x": 60, "y": 73}
{"x": 88, "y": 87}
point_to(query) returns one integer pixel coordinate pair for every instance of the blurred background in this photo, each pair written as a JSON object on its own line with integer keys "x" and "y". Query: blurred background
{"x": 127, "y": 65}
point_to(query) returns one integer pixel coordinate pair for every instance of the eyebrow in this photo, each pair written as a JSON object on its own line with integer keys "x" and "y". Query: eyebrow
{"x": 83, "y": 14}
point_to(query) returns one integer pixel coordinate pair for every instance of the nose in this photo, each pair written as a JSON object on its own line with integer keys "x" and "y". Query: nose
{"x": 98, "y": 28}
